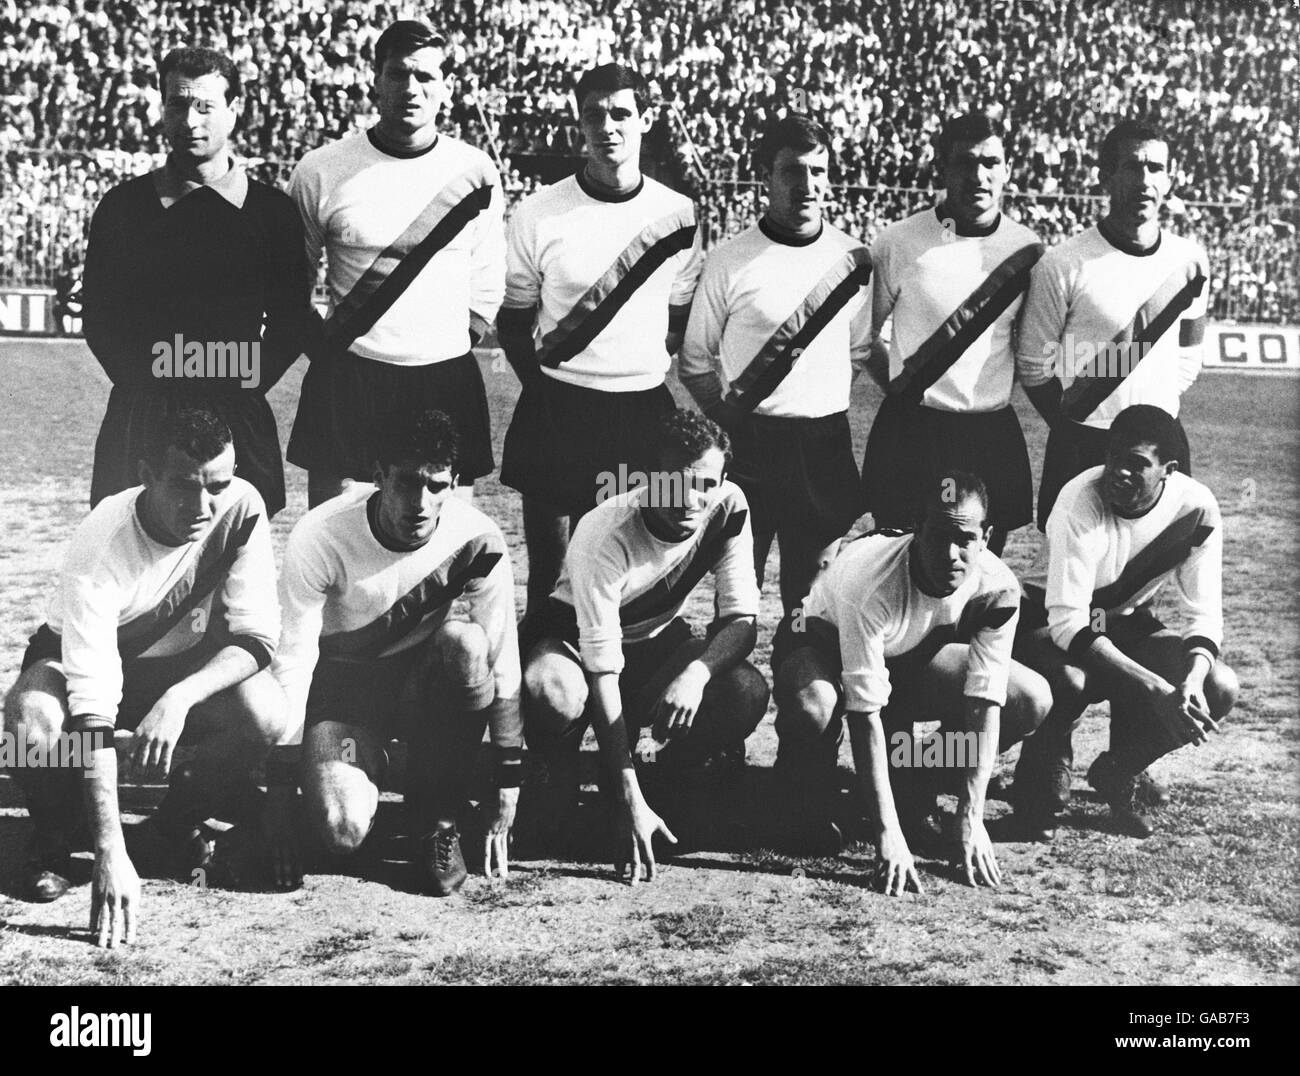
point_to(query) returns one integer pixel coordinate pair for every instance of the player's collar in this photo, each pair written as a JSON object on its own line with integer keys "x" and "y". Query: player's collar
{"x": 171, "y": 185}
{"x": 789, "y": 240}
{"x": 1127, "y": 246}
{"x": 400, "y": 154}
{"x": 601, "y": 194}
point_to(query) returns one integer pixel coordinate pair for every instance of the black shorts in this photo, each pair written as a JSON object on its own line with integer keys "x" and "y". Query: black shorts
{"x": 134, "y": 414}
{"x": 1072, "y": 448}
{"x": 798, "y": 472}
{"x": 823, "y": 638}
{"x": 379, "y": 696}
{"x": 564, "y": 438}
{"x": 348, "y": 401}
{"x": 910, "y": 446}
{"x": 641, "y": 660}
{"x": 144, "y": 680}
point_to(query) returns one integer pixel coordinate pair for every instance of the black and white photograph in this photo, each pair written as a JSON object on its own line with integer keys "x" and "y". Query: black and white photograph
{"x": 651, "y": 492}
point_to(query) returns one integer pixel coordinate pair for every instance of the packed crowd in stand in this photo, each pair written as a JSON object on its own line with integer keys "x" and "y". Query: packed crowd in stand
{"x": 79, "y": 78}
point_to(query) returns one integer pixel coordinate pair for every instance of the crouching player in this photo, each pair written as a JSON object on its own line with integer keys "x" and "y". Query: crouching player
{"x": 615, "y": 652}
{"x": 164, "y": 622}
{"x": 399, "y": 622}
{"x": 905, "y": 628}
{"x": 1116, "y": 535}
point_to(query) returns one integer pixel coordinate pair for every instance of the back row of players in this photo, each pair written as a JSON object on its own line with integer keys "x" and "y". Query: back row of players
{"x": 397, "y": 597}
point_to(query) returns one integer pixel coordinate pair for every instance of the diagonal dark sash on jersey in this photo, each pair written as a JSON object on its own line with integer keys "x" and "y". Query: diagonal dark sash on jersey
{"x": 674, "y": 588}
{"x": 653, "y": 246}
{"x": 381, "y": 285}
{"x": 436, "y": 590}
{"x": 982, "y": 613}
{"x": 206, "y": 572}
{"x": 1154, "y": 318}
{"x": 777, "y": 357}
{"x": 1163, "y": 554}
{"x": 948, "y": 343}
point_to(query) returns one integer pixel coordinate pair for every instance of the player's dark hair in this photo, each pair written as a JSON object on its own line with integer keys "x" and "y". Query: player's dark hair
{"x": 970, "y": 127}
{"x": 953, "y": 487}
{"x": 1145, "y": 424}
{"x": 428, "y": 439}
{"x": 403, "y": 38}
{"x": 1126, "y": 131}
{"x": 684, "y": 436}
{"x": 610, "y": 78}
{"x": 800, "y": 133}
{"x": 195, "y": 63}
{"x": 196, "y": 431}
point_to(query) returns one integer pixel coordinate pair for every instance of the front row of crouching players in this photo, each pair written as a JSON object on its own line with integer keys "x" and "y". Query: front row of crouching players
{"x": 1115, "y": 536}
{"x": 905, "y": 628}
{"x": 164, "y": 623}
{"x": 398, "y": 603}
{"x": 615, "y": 653}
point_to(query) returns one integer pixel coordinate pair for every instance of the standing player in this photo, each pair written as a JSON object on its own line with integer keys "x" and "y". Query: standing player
{"x": 1116, "y": 535}
{"x": 601, "y": 270}
{"x": 783, "y": 310}
{"x": 953, "y": 279}
{"x": 411, "y": 224}
{"x": 164, "y": 622}
{"x": 182, "y": 267}
{"x": 907, "y": 628}
{"x": 399, "y": 621}
{"x": 615, "y": 652}
{"x": 1115, "y": 316}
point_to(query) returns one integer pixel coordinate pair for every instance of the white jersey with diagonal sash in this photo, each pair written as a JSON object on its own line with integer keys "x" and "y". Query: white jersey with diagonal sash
{"x": 1116, "y": 328}
{"x": 603, "y": 271}
{"x": 783, "y": 320}
{"x": 414, "y": 245}
{"x": 124, "y": 594}
{"x": 871, "y": 597}
{"x": 348, "y": 596}
{"x": 1096, "y": 561}
{"x": 626, "y": 585}
{"x": 953, "y": 301}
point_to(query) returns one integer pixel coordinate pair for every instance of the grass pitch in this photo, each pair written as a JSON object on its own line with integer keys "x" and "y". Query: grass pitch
{"x": 1211, "y": 898}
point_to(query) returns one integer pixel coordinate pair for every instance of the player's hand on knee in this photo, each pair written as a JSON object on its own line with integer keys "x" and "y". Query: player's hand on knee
{"x": 637, "y": 827}
{"x": 977, "y": 857}
{"x": 114, "y": 898}
{"x": 157, "y": 735}
{"x": 1196, "y": 708}
{"x": 680, "y": 703}
{"x": 496, "y": 842}
{"x": 897, "y": 868}
{"x": 1169, "y": 707}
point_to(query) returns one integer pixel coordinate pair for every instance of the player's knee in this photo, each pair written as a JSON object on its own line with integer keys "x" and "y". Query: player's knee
{"x": 739, "y": 697}
{"x": 462, "y": 651}
{"x": 36, "y": 713}
{"x": 1069, "y": 687}
{"x": 807, "y": 711}
{"x": 1221, "y": 690}
{"x": 1029, "y": 700}
{"x": 554, "y": 696}
{"x": 340, "y": 806}
{"x": 263, "y": 708}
